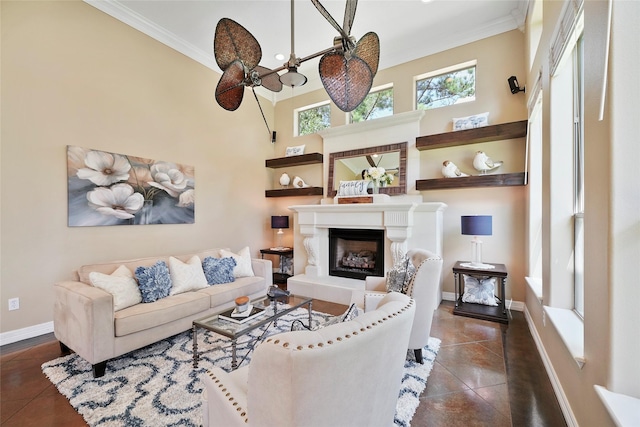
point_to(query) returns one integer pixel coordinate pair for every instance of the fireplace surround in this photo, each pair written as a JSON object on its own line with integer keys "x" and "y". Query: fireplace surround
{"x": 404, "y": 225}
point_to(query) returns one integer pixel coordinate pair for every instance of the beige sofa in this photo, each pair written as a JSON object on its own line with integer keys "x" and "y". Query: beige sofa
{"x": 346, "y": 374}
{"x": 85, "y": 320}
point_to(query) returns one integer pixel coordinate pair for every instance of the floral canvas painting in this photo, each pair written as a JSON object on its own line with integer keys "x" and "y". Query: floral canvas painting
{"x": 116, "y": 189}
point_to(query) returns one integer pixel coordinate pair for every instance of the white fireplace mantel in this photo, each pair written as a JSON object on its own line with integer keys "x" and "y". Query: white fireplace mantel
{"x": 405, "y": 225}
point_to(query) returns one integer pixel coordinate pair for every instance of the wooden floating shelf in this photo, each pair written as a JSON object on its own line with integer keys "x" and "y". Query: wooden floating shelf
{"x": 473, "y": 136}
{"x": 289, "y": 192}
{"x": 302, "y": 159}
{"x": 497, "y": 180}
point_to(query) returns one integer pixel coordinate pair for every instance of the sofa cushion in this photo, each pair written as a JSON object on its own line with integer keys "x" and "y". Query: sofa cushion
{"x": 219, "y": 270}
{"x": 154, "y": 281}
{"x": 132, "y": 264}
{"x": 120, "y": 284}
{"x": 186, "y": 276}
{"x": 243, "y": 261}
{"x": 226, "y": 293}
{"x": 166, "y": 310}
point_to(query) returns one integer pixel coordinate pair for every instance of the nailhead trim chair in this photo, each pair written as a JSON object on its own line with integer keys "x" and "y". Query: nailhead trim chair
{"x": 423, "y": 288}
{"x": 345, "y": 374}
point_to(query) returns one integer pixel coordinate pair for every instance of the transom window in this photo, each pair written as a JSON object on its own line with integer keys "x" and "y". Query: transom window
{"x": 379, "y": 103}
{"x": 447, "y": 86}
{"x": 312, "y": 118}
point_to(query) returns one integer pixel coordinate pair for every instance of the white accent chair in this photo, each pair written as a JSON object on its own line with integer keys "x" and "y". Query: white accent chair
{"x": 423, "y": 288}
{"x": 345, "y": 374}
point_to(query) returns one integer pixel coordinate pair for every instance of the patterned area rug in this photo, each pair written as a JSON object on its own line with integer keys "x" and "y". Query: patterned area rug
{"x": 157, "y": 385}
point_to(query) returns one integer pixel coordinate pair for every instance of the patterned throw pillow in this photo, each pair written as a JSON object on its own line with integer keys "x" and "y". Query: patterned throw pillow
{"x": 219, "y": 270}
{"x": 399, "y": 277}
{"x": 352, "y": 312}
{"x": 154, "y": 281}
{"x": 470, "y": 122}
{"x": 479, "y": 291}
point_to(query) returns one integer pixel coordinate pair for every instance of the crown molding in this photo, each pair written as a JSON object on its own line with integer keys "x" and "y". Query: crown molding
{"x": 137, "y": 21}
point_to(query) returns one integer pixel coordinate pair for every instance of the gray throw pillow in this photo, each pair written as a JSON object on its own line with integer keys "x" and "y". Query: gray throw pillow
{"x": 399, "y": 277}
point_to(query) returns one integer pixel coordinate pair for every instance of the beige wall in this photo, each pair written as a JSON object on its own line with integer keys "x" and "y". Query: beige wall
{"x": 497, "y": 58}
{"x": 72, "y": 75}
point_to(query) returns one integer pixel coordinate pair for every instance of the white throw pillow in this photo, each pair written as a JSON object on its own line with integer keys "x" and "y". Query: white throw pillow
{"x": 187, "y": 276}
{"x": 120, "y": 284}
{"x": 243, "y": 262}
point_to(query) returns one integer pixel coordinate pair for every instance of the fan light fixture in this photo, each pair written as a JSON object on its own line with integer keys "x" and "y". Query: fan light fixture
{"x": 347, "y": 68}
{"x": 293, "y": 78}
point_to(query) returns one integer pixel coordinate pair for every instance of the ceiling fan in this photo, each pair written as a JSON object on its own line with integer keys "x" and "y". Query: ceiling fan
{"x": 346, "y": 69}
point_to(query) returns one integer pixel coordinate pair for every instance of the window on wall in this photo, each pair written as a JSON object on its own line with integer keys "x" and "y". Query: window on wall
{"x": 448, "y": 86}
{"x": 567, "y": 164}
{"x": 312, "y": 118}
{"x": 578, "y": 179}
{"x": 379, "y": 103}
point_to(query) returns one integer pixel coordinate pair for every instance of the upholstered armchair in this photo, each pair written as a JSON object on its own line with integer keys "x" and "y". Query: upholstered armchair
{"x": 423, "y": 288}
{"x": 345, "y": 374}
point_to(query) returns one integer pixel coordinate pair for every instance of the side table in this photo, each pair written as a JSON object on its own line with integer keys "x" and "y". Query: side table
{"x": 280, "y": 277}
{"x": 480, "y": 311}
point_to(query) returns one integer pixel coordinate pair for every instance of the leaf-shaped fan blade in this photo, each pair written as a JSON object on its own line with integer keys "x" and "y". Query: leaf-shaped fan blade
{"x": 271, "y": 80}
{"x": 349, "y": 15}
{"x": 324, "y": 12}
{"x": 368, "y": 49}
{"x": 233, "y": 42}
{"x": 230, "y": 89}
{"x": 347, "y": 81}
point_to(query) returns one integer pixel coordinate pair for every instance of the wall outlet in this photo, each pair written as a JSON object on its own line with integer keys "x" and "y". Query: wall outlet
{"x": 14, "y": 304}
{"x": 544, "y": 318}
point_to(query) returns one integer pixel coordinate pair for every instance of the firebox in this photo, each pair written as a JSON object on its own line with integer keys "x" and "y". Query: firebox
{"x": 356, "y": 253}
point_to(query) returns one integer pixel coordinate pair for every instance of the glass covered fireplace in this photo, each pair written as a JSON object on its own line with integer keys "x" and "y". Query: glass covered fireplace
{"x": 355, "y": 253}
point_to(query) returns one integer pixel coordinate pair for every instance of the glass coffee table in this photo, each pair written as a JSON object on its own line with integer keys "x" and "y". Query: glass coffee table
{"x": 274, "y": 308}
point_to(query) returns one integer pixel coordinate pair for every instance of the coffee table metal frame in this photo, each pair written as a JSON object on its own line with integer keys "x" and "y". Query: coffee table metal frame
{"x": 234, "y": 330}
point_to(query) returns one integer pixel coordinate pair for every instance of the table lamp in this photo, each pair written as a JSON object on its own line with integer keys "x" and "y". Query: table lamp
{"x": 279, "y": 222}
{"x": 476, "y": 225}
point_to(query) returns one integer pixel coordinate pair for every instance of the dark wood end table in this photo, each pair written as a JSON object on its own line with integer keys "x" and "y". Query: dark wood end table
{"x": 480, "y": 311}
{"x": 279, "y": 277}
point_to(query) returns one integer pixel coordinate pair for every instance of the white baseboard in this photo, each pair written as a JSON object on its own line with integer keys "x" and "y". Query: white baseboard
{"x": 555, "y": 381}
{"x": 25, "y": 333}
{"x": 511, "y": 304}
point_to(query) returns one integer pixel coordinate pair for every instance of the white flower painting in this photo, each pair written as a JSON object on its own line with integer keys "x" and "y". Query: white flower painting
{"x": 115, "y": 189}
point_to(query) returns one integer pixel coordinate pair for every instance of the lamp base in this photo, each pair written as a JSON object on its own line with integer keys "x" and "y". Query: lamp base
{"x": 477, "y": 265}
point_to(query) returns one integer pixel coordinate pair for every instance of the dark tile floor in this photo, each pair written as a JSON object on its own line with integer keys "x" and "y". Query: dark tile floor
{"x": 486, "y": 374}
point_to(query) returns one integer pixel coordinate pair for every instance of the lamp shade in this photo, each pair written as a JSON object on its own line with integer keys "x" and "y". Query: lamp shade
{"x": 279, "y": 222}
{"x": 476, "y": 225}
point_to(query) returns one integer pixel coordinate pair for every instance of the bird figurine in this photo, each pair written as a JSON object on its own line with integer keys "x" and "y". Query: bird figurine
{"x": 483, "y": 163}
{"x": 299, "y": 183}
{"x": 450, "y": 170}
{"x": 284, "y": 179}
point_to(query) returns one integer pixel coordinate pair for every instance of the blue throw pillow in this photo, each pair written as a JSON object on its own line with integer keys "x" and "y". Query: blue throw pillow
{"x": 219, "y": 270}
{"x": 154, "y": 281}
